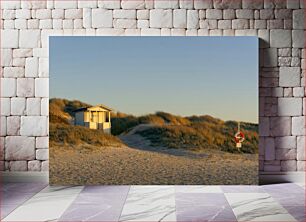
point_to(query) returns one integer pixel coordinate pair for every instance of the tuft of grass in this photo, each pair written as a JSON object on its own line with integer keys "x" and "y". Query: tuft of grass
{"x": 77, "y": 135}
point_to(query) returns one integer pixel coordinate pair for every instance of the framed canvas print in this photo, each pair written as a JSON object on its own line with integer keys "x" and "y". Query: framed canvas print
{"x": 153, "y": 110}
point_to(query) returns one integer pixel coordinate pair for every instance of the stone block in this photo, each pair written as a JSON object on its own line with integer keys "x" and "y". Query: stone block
{"x": 18, "y": 165}
{"x": 301, "y": 166}
{"x": 8, "y": 87}
{"x": 166, "y": 4}
{"x": 45, "y": 165}
{"x": 2, "y": 133}
{"x": 264, "y": 38}
{"x": 73, "y": 13}
{"x": 192, "y": 19}
{"x": 270, "y": 57}
{"x": 22, "y": 53}
{"x": 160, "y": 18}
{"x": 203, "y": 4}
{"x": 284, "y": 61}
{"x": 295, "y": 62}
{"x": 214, "y": 14}
{"x": 271, "y": 168}
{"x": 227, "y": 4}
{"x": 34, "y": 165}
{"x": 299, "y": 19}
{"x": 289, "y": 76}
{"x": 229, "y": 14}
{"x": 285, "y": 154}
{"x": 31, "y": 67}
{"x": 8, "y": 14}
{"x": 150, "y": 32}
{"x": 280, "y": 38}
{"x": 20, "y": 23}
{"x": 43, "y": 14}
{"x": 224, "y": 24}
{"x": 23, "y": 14}
{"x": 9, "y": 38}
{"x": 42, "y": 142}
{"x": 285, "y": 142}
{"x": 34, "y": 126}
{"x": 283, "y": 14}
{"x": 301, "y": 148}
{"x": 13, "y": 125}
{"x": 207, "y": 24}
{"x": 5, "y": 106}
{"x": 264, "y": 126}
{"x": 133, "y": 4}
{"x": 298, "y": 38}
{"x": 299, "y": 92}
{"x": 102, "y": 18}
{"x": 143, "y": 14}
{"x": 41, "y": 87}
{"x": 18, "y": 106}
{"x": 280, "y": 126}
{"x": 289, "y": 106}
{"x": 125, "y": 23}
{"x": 29, "y": 38}
{"x": 186, "y": 4}
{"x": 87, "y": 4}
{"x": 58, "y": 14}
{"x": 6, "y": 57}
{"x": 266, "y": 14}
{"x": 10, "y": 5}
{"x": 252, "y": 4}
{"x": 109, "y": 4}
{"x": 43, "y": 67}
{"x": 13, "y": 72}
{"x": 288, "y": 165}
{"x": 33, "y": 106}
{"x": 269, "y": 148}
{"x": 141, "y": 24}
{"x": 66, "y": 4}
{"x": 44, "y": 106}
{"x": 179, "y": 18}
{"x": 245, "y": 14}
{"x": 240, "y": 24}
{"x": 124, "y": 14}
{"x": 25, "y": 87}
{"x": 298, "y": 125}
{"x": 288, "y": 92}
{"x": 20, "y": 148}
{"x": 293, "y": 4}
{"x": 42, "y": 154}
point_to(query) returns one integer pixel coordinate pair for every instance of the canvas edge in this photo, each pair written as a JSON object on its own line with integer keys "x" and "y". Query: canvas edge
{"x": 43, "y": 177}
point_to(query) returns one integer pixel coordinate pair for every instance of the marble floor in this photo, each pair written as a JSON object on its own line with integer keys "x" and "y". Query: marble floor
{"x": 40, "y": 202}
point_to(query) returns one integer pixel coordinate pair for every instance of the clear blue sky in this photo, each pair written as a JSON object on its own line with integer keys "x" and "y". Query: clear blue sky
{"x": 217, "y": 76}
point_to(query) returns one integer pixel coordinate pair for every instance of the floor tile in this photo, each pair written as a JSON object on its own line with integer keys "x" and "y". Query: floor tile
{"x": 149, "y": 203}
{"x": 298, "y": 212}
{"x": 6, "y": 210}
{"x": 283, "y": 188}
{"x": 106, "y": 189}
{"x": 257, "y": 207}
{"x": 22, "y": 187}
{"x": 198, "y": 189}
{"x": 242, "y": 189}
{"x": 289, "y": 199}
{"x": 97, "y": 203}
{"x": 203, "y": 207}
{"x": 47, "y": 205}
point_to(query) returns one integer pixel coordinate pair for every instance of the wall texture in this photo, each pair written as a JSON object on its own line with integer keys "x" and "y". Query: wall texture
{"x": 26, "y": 26}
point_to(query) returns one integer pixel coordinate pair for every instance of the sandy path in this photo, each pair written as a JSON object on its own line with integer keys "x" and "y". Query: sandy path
{"x": 69, "y": 165}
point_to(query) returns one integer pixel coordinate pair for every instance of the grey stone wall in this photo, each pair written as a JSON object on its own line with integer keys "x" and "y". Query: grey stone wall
{"x": 26, "y": 26}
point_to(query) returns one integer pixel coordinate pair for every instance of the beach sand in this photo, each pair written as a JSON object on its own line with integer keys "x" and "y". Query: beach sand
{"x": 129, "y": 166}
